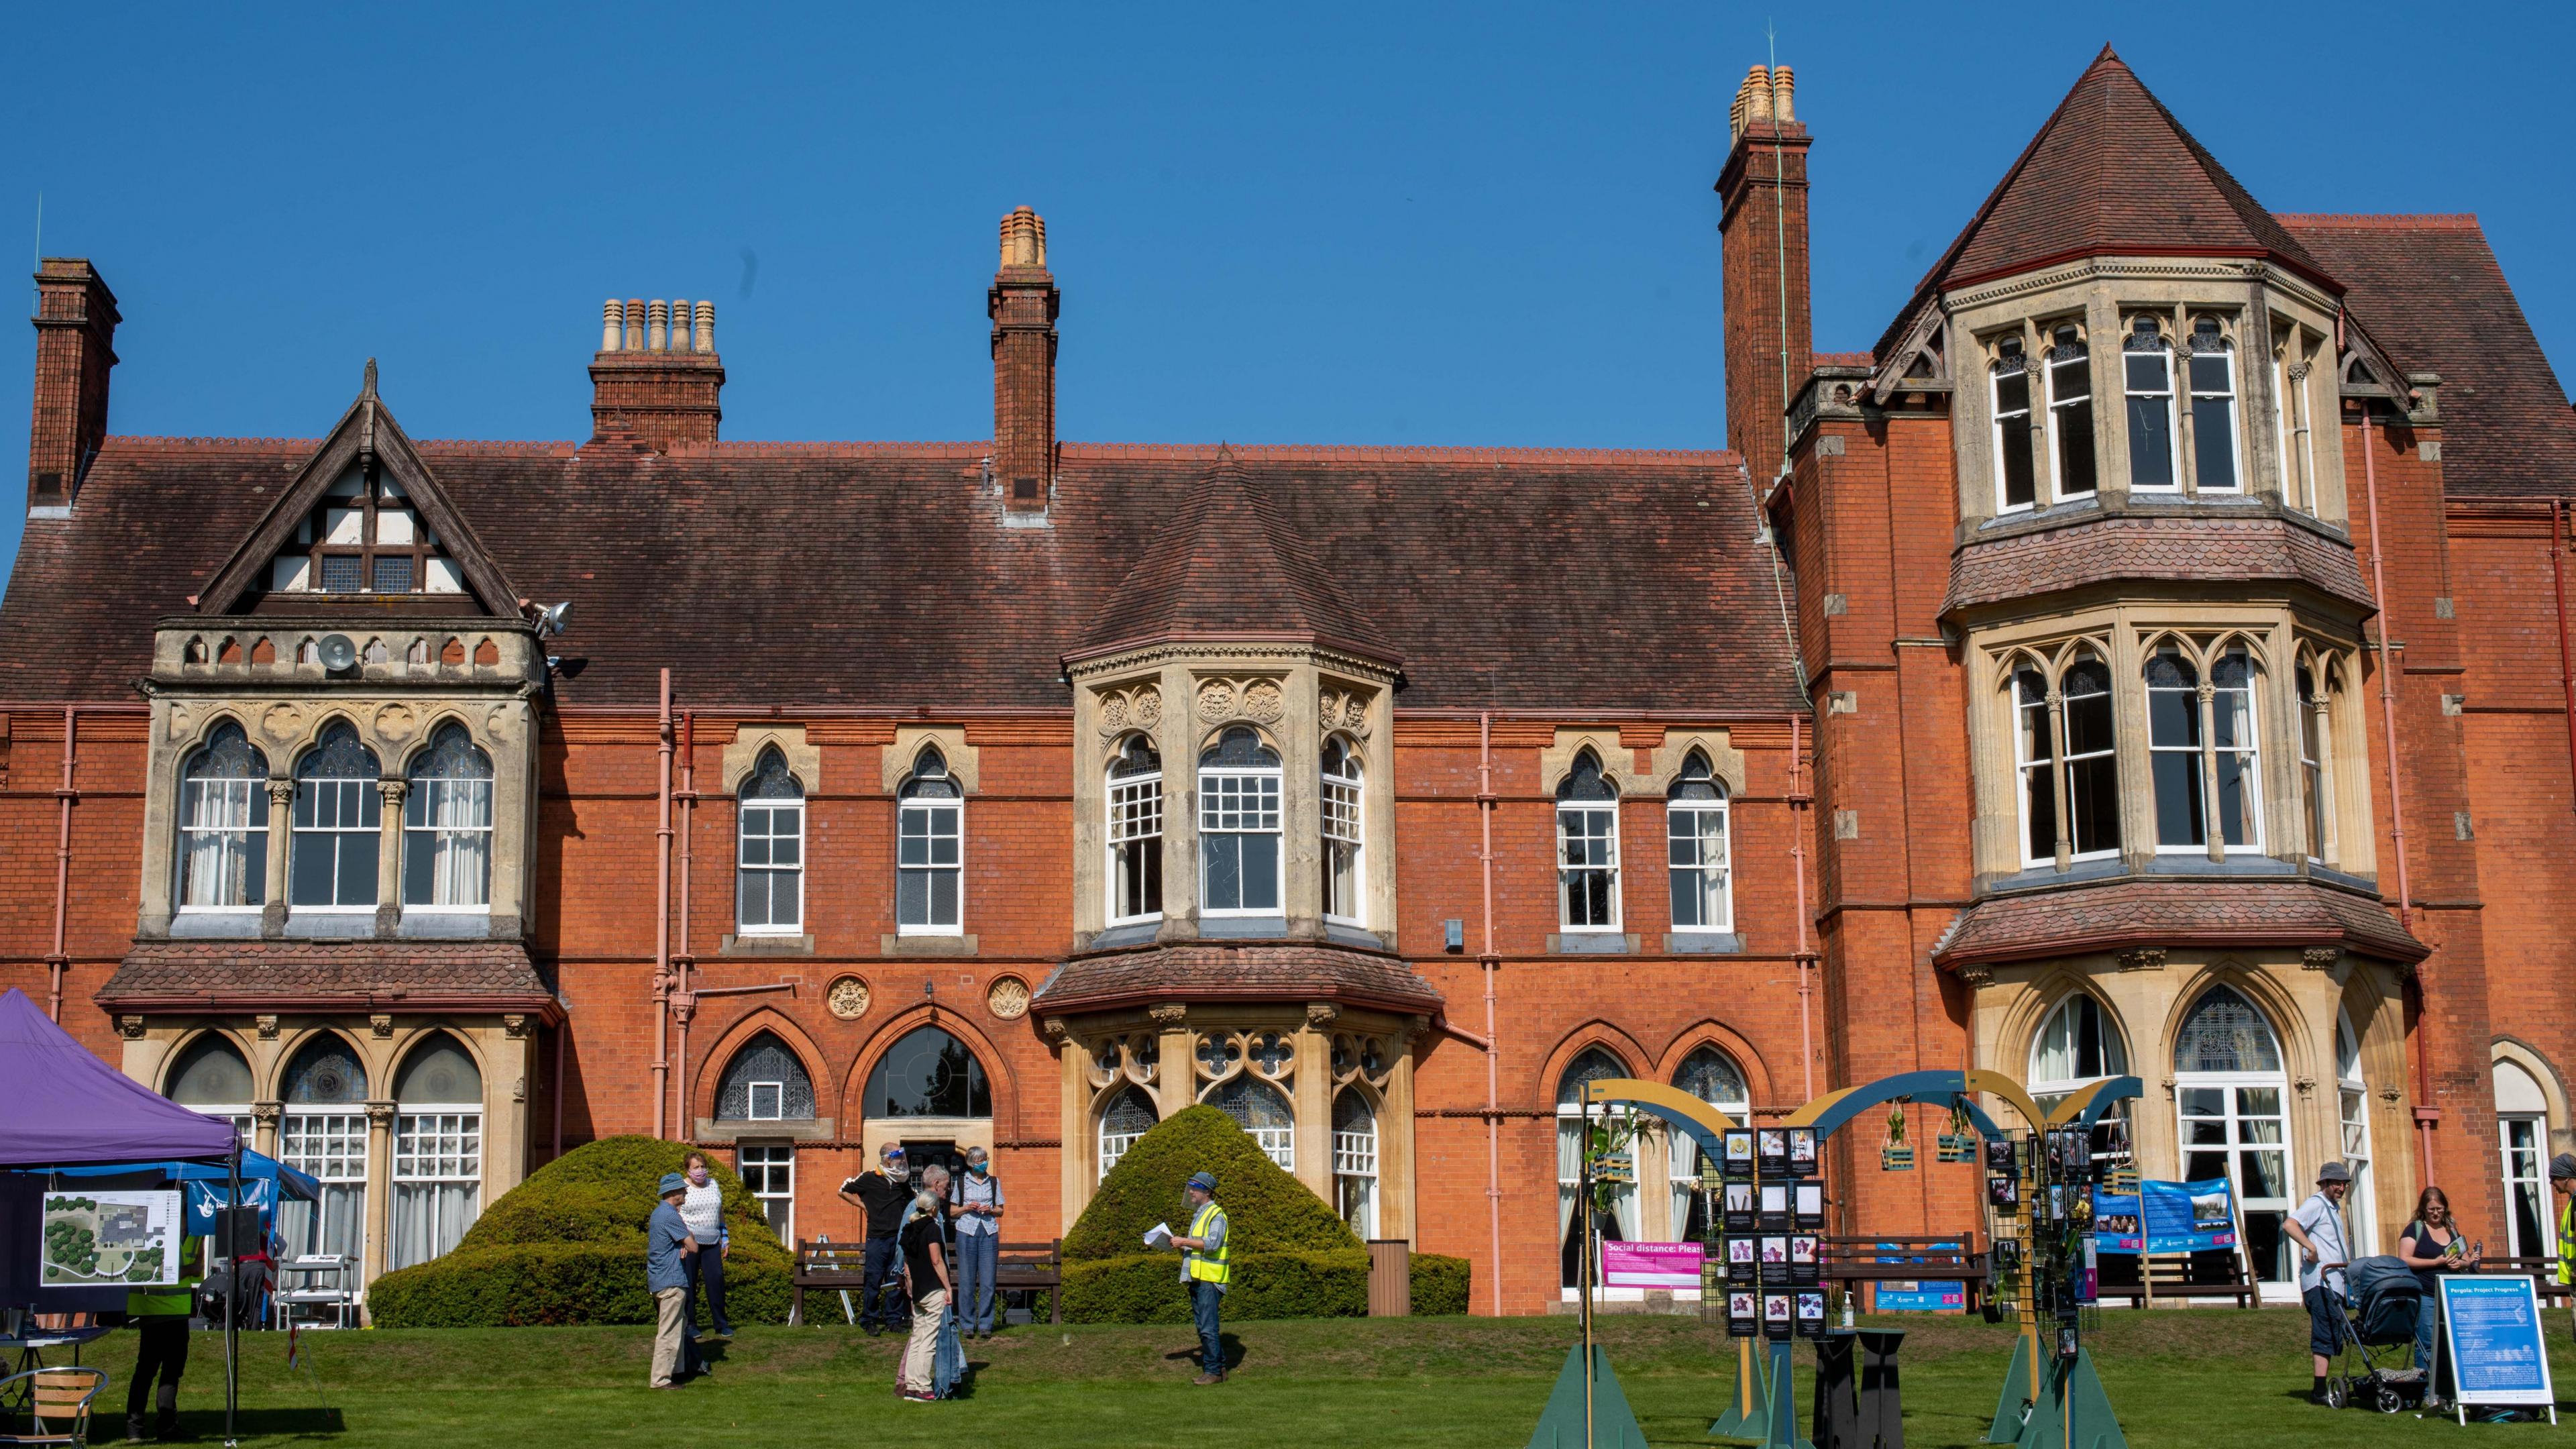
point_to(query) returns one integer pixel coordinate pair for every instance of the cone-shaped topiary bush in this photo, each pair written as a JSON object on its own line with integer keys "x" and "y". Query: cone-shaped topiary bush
{"x": 1293, "y": 1257}
{"x": 567, "y": 1246}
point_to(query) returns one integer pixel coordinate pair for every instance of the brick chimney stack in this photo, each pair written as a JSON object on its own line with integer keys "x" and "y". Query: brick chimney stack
{"x": 656, "y": 378}
{"x": 1762, "y": 233}
{"x": 75, "y": 346}
{"x": 1022, "y": 304}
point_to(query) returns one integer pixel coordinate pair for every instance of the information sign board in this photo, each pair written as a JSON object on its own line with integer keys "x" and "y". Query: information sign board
{"x": 2497, "y": 1357}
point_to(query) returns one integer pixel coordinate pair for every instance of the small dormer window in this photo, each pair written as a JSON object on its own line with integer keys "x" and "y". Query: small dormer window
{"x": 365, "y": 537}
{"x": 2213, "y": 408}
{"x": 2070, "y": 411}
{"x": 2016, "y": 481}
{"x": 2155, "y": 451}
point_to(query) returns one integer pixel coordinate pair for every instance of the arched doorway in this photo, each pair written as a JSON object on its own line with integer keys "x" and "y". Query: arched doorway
{"x": 323, "y": 1131}
{"x": 438, "y": 1151}
{"x": 2229, "y": 1096}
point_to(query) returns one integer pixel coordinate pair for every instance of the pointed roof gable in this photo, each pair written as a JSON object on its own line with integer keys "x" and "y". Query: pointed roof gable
{"x": 1230, "y": 568}
{"x": 366, "y": 430}
{"x": 2112, "y": 172}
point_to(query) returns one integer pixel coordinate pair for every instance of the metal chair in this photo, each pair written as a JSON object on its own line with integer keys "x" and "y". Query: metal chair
{"x": 58, "y": 1398}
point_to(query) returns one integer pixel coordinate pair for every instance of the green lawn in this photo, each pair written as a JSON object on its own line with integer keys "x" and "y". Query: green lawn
{"x": 2195, "y": 1379}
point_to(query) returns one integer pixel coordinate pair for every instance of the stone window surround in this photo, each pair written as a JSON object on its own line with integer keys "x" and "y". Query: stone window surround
{"x": 1170, "y": 693}
{"x": 2123, "y": 635}
{"x": 2262, "y": 307}
{"x": 396, "y": 731}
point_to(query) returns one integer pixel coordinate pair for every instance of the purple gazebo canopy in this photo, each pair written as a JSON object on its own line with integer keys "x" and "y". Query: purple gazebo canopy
{"x": 67, "y": 1107}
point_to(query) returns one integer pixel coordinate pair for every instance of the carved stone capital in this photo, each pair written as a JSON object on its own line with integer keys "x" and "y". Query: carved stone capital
{"x": 393, "y": 790}
{"x": 1168, "y": 1015}
{"x": 267, "y": 1027}
{"x": 281, "y": 793}
{"x": 1418, "y": 1024}
{"x": 1054, "y": 1030}
{"x": 131, "y": 1026}
{"x": 2320, "y": 958}
{"x": 1322, "y": 1013}
{"x": 380, "y": 1114}
{"x": 515, "y": 1026}
{"x": 267, "y": 1111}
{"x": 1976, "y": 974}
{"x": 381, "y": 1023}
{"x": 2143, "y": 958}
{"x": 2304, "y": 1085}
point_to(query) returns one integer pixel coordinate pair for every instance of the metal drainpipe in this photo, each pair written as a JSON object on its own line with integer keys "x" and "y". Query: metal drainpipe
{"x": 1798, "y": 863}
{"x": 57, "y": 963}
{"x": 685, "y": 1004}
{"x": 1485, "y": 802}
{"x": 2558, "y": 580}
{"x": 2396, "y": 801}
{"x": 662, "y": 925}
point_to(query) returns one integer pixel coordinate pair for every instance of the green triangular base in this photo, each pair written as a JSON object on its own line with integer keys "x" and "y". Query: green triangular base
{"x": 1773, "y": 1417}
{"x": 1560, "y": 1425}
{"x": 1748, "y": 1412}
{"x": 2076, "y": 1388}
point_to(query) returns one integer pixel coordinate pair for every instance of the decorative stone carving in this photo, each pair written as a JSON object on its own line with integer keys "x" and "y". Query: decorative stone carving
{"x": 1009, "y": 998}
{"x": 267, "y": 1027}
{"x": 1976, "y": 974}
{"x": 1356, "y": 1058}
{"x": 515, "y": 1026}
{"x": 1169, "y": 1015}
{"x": 381, "y": 1024}
{"x": 179, "y": 720}
{"x": 1321, "y": 1013}
{"x": 847, "y": 998}
{"x": 2143, "y": 958}
{"x": 1137, "y": 708}
{"x": 282, "y": 723}
{"x": 1261, "y": 700}
{"x": 1054, "y": 1030}
{"x": 2390, "y": 1095}
{"x": 1216, "y": 700}
{"x": 396, "y": 722}
{"x": 1113, "y": 713}
{"x": 131, "y": 1026}
{"x": 281, "y": 794}
{"x": 2304, "y": 1085}
{"x": 519, "y": 1090}
{"x": 267, "y": 1111}
{"x": 2320, "y": 958}
{"x": 380, "y": 1114}
{"x": 1148, "y": 704}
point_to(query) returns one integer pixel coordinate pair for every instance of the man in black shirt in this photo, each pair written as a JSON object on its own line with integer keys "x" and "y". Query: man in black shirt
{"x": 883, "y": 1192}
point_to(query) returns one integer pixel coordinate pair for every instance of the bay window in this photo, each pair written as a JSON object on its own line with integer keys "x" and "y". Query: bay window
{"x": 1240, "y": 860}
{"x": 447, "y": 825}
{"x": 2155, "y": 448}
{"x": 2173, "y": 745}
{"x": 332, "y": 862}
{"x": 2212, "y": 370}
{"x": 1340, "y": 799}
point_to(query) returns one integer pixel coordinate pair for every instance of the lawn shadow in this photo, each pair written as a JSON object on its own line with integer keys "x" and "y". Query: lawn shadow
{"x": 207, "y": 1426}
{"x": 1228, "y": 1347}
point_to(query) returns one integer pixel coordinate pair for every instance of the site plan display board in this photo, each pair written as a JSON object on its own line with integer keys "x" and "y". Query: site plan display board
{"x": 93, "y": 1237}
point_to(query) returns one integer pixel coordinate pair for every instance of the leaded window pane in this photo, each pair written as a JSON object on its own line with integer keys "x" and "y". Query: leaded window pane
{"x": 223, "y": 823}
{"x": 2224, "y": 1033}
{"x": 765, "y": 1065}
{"x": 336, "y": 837}
{"x": 928, "y": 1074}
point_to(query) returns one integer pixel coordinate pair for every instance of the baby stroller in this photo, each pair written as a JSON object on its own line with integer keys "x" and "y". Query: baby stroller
{"x": 2377, "y": 1369}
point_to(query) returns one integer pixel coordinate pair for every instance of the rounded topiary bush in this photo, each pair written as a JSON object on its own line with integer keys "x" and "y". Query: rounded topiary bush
{"x": 1293, "y": 1258}
{"x": 567, "y": 1246}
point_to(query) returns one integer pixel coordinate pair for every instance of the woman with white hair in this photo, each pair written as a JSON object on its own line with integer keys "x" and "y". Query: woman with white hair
{"x": 925, "y": 1278}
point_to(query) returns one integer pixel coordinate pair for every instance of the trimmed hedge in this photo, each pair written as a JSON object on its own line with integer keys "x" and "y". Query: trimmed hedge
{"x": 1293, "y": 1258}
{"x": 567, "y": 1246}
{"x": 1440, "y": 1284}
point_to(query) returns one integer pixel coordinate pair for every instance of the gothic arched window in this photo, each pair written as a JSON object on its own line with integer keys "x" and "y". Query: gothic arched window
{"x": 332, "y": 865}
{"x": 1240, "y": 862}
{"x": 223, "y": 824}
{"x": 1696, "y": 842}
{"x": 1135, "y": 832}
{"x": 1587, "y": 839}
{"x": 930, "y": 844}
{"x": 765, "y": 1082}
{"x": 769, "y": 833}
{"x": 447, "y": 824}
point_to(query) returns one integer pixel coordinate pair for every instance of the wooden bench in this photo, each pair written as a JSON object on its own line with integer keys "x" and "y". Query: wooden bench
{"x": 1033, "y": 1266}
{"x": 824, "y": 1267}
{"x": 2177, "y": 1277}
{"x": 1887, "y": 1258}
{"x": 2543, "y": 1273}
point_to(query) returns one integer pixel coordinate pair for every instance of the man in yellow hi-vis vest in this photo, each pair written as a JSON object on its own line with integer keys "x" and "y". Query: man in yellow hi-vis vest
{"x": 2562, "y": 1184}
{"x": 1207, "y": 1267}
{"x": 160, "y": 1317}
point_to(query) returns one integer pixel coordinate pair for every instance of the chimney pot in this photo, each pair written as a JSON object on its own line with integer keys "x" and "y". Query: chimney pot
{"x": 1784, "y": 85}
{"x": 1757, "y": 94}
{"x": 705, "y": 341}
{"x": 1023, "y": 303}
{"x": 656, "y": 382}
{"x": 634, "y": 325}
{"x": 612, "y": 324}
{"x": 657, "y": 326}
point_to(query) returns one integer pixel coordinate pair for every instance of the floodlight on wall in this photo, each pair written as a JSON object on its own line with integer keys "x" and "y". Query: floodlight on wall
{"x": 337, "y": 653}
{"x": 550, "y": 619}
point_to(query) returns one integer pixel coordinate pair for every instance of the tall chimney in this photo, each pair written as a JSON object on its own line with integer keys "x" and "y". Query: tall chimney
{"x": 1022, "y": 304}
{"x": 75, "y": 346}
{"x": 656, "y": 378}
{"x": 1762, "y": 241}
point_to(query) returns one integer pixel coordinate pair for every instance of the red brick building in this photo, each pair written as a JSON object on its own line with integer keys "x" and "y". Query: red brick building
{"x": 1022, "y": 791}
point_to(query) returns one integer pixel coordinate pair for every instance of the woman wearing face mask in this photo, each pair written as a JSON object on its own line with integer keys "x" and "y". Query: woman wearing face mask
{"x": 926, "y": 1279}
{"x": 975, "y": 1201}
{"x": 703, "y": 1211}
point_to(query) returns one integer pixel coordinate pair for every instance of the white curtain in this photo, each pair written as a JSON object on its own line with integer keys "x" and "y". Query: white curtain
{"x": 336, "y": 1224}
{"x": 428, "y": 1218}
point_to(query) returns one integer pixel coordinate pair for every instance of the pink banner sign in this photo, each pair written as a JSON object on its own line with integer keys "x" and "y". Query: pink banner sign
{"x": 1650, "y": 1265}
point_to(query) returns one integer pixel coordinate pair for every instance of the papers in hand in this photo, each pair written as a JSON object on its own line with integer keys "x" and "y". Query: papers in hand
{"x": 1159, "y": 1236}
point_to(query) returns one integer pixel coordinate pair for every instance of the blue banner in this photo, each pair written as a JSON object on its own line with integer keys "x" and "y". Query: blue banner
{"x": 2166, "y": 1217}
{"x": 2496, "y": 1353}
{"x": 1916, "y": 1295}
{"x": 204, "y": 1197}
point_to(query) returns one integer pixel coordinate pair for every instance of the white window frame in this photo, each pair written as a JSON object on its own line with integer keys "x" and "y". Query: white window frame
{"x": 1113, "y": 1145}
{"x": 1341, "y": 801}
{"x": 2010, "y": 365}
{"x": 2249, "y": 748}
{"x": 238, "y": 819}
{"x": 777, "y": 1101}
{"x": 1135, "y": 826}
{"x": 435, "y": 1145}
{"x": 424, "y": 828}
{"x": 1355, "y": 1161}
{"x": 2164, "y": 356}
{"x": 1722, "y": 900}
{"x": 335, "y": 838}
{"x": 919, "y": 820}
{"x": 2316, "y": 759}
{"x": 2059, "y": 430}
{"x": 2520, "y": 1164}
{"x": 2024, "y": 765}
{"x": 2352, "y": 1102}
{"x": 742, "y": 844}
{"x": 761, "y": 1165}
{"x": 2198, "y": 751}
{"x": 1240, "y": 793}
{"x": 2191, "y": 390}
{"x": 331, "y": 1144}
{"x": 2068, "y": 758}
{"x": 1606, "y": 864}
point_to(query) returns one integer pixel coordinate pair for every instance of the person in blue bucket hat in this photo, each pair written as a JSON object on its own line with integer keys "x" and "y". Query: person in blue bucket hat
{"x": 1207, "y": 1270}
{"x": 667, "y": 1246}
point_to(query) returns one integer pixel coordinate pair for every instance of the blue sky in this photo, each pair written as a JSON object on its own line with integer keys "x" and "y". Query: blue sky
{"x": 1484, "y": 224}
